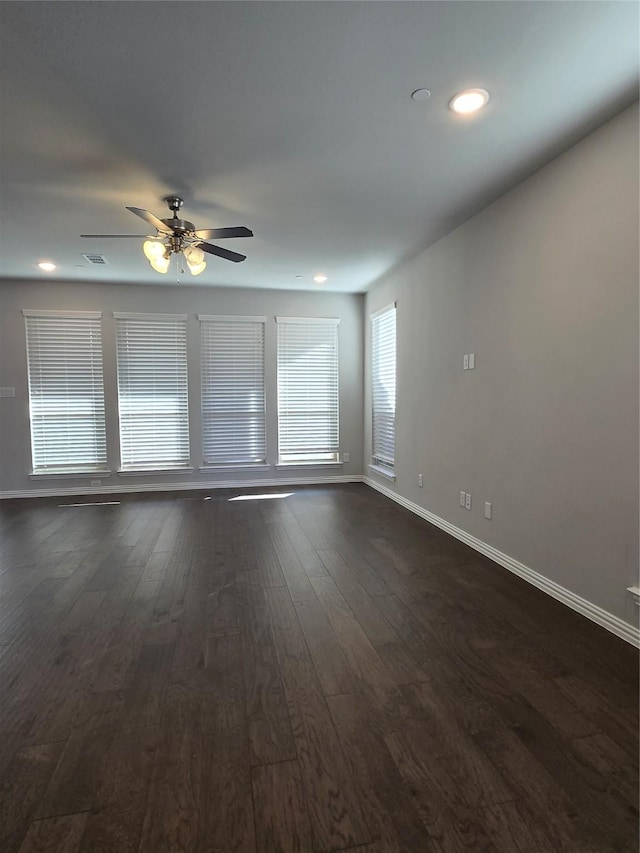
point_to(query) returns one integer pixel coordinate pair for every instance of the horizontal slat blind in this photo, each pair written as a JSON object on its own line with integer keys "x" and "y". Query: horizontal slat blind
{"x": 233, "y": 391}
{"x": 152, "y": 391}
{"x": 383, "y": 376}
{"x": 66, "y": 392}
{"x": 308, "y": 428}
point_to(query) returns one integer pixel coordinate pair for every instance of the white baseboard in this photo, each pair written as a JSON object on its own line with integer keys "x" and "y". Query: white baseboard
{"x": 126, "y": 488}
{"x": 602, "y": 617}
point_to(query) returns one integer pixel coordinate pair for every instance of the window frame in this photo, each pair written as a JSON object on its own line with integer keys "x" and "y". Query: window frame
{"x": 209, "y": 463}
{"x": 126, "y": 419}
{"x": 383, "y": 459}
{"x": 328, "y": 456}
{"x": 92, "y": 382}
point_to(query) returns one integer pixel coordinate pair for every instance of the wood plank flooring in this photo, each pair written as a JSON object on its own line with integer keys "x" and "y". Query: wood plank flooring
{"x": 321, "y": 672}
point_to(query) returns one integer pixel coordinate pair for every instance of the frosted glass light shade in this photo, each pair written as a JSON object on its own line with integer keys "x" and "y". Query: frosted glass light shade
{"x": 195, "y": 260}
{"x": 152, "y": 249}
{"x": 194, "y": 255}
{"x": 160, "y": 263}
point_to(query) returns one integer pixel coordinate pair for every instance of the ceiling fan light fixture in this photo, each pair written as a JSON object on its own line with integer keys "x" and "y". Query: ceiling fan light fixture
{"x": 195, "y": 260}
{"x": 160, "y": 263}
{"x": 196, "y": 269}
{"x": 194, "y": 255}
{"x": 153, "y": 249}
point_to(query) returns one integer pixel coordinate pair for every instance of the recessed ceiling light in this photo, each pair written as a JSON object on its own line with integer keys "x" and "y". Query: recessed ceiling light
{"x": 320, "y": 278}
{"x": 469, "y": 101}
{"x": 421, "y": 95}
{"x": 47, "y": 266}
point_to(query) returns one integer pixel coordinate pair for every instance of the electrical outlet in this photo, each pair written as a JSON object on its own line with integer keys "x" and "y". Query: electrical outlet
{"x": 346, "y": 457}
{"x": 487, "y": 509}
{"x": 96, "y": 482}
{"x": 465, "y": 362}
{"x": 463, "y": 498}
{"x": 467, "y": 501}
{"x": 420, "y": 480}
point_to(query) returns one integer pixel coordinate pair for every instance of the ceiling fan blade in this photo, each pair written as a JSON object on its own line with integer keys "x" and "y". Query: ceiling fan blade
{"x": 150, "y": 218}
{"x": 221, "y": 253}
{"x": 122, "y": 236}
{"x": 222, "y": 233}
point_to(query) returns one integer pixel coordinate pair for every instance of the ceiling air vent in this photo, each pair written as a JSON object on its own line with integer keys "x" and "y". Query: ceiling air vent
{"x": 97, "y": 260}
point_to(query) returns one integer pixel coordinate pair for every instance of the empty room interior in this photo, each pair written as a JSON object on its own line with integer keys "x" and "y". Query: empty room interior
{"x": 319, "y": 447}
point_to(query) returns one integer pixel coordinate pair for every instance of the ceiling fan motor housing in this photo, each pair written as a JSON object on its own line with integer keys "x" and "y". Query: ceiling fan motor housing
{"x": 181, "y": 226}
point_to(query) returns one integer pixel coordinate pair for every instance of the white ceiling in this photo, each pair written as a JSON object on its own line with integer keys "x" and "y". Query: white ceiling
{"x": 291, "y": 118}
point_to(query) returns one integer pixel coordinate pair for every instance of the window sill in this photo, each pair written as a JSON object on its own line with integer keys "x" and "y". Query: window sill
{"x": 383, "y": 472}
{"x": 144, "y": 472}
{"x": 239, "y": 466}
{"x": 69, "y": 474}
{"x": 283, "y": 465}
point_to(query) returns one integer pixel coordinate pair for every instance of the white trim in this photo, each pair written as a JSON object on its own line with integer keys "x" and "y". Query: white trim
{"x": 241, "y": 466}
{"x": 383, "y": 310}
{"x": 635, "y": 592}
{"x": 382, "y": 472}
{"x": 143, "y": 472}
{"x": 333, "y": 321}
{"x": 69, "y": 475}
{"x": 232, "y": 318}
{"x": 65, "y": 315}
{"x": 284, "y": 465}
{"x": 128, "y": 315}
{"x": 601, "y": 617}
{"x": 188, "y": 486}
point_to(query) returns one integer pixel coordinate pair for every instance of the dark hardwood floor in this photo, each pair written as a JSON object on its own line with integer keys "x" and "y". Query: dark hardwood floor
{"x": 320, "y": 672}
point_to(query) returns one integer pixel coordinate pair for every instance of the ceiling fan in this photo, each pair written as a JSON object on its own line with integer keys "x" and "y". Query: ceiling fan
{"x": 174, "y": 236}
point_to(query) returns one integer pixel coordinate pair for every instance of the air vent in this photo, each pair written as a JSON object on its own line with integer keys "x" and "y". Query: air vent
{"x": 97, "y": 260}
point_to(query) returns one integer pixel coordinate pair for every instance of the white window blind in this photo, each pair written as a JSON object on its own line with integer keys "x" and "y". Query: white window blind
{"x": 152, "y": 391}
{"x": 66, "y": 391}
{"x": 233, "y": 390}
{"x": 308, "y": 429}
{"x": 383, "y": 392}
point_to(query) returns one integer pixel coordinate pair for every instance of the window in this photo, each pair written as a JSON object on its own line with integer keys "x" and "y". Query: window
{"x": 66, "y": 391}
{"x": 383, "y": 391}
{"x": 307, "y": 390}
{"x": 152, "y": 391}
{"x": 233, "y": 390}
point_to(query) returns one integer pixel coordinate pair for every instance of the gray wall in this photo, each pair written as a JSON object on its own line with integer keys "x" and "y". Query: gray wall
{"x": 543, "y": 287}
{"x": 15, "y": 450}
